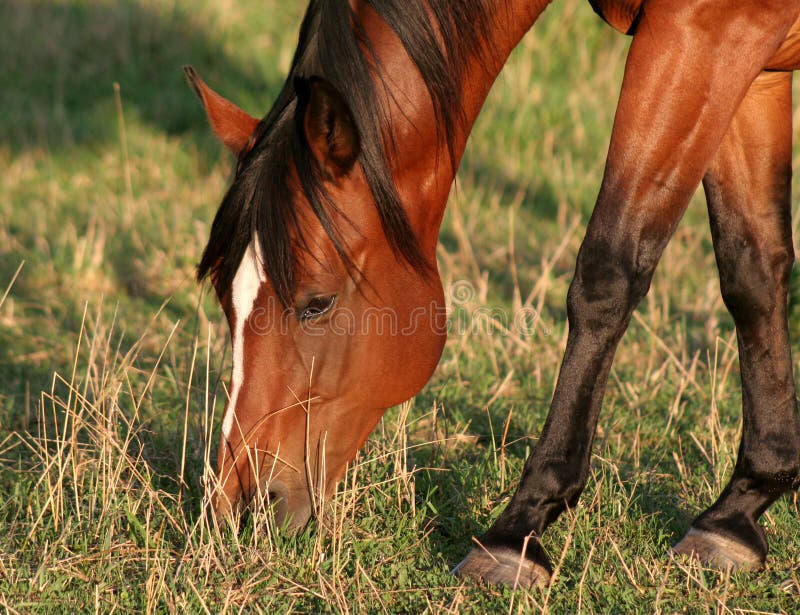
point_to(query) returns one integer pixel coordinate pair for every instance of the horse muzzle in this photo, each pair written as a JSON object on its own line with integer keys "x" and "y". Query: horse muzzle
{"x": 289, "y": 507}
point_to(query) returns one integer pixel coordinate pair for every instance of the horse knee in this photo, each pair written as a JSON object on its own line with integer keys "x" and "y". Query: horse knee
{"x": 609, "y": 282}
{"x": 754, "y": 281}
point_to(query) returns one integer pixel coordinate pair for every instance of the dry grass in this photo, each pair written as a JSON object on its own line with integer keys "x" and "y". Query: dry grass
{"x": 111, "y": 358}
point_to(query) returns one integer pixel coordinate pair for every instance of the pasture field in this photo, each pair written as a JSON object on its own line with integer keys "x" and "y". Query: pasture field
{"x": 113, "y": 360}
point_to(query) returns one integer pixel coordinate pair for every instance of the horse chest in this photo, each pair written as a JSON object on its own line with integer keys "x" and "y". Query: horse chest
{"x": 620, "y": 14}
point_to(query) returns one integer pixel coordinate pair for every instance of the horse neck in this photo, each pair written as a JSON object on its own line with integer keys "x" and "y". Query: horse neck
{"x": 513, "y": 20}
{"x": 421, "y": 161}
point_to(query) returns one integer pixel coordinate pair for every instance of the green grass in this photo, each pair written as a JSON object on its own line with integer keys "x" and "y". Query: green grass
{"x": 111, "y": 357}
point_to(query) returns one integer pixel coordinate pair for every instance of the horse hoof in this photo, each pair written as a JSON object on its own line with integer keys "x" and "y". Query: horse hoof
{"x": 718, "y": 551}
{"x": 502, "y": 566}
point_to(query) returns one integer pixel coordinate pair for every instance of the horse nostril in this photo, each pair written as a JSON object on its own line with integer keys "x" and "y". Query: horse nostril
{"x": 274, "y": 496}
{"x": 277, "y": 498}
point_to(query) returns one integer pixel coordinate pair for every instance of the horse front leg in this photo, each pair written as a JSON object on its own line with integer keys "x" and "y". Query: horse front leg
{"x": 689, "y": 67}
{"x": 748, "y": 189}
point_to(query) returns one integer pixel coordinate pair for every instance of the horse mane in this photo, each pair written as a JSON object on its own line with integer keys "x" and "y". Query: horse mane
{"x": 332, "y": 44}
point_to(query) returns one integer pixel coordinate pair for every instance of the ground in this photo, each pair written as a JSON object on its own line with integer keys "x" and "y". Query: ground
{"x": 112, "y": 358}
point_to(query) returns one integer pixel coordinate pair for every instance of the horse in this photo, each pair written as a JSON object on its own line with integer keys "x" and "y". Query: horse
{"x": 331, "y": 221}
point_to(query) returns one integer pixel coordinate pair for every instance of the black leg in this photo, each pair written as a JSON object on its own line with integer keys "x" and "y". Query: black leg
{"x": 748, "y": 188}
{"x": 676, "y": 104}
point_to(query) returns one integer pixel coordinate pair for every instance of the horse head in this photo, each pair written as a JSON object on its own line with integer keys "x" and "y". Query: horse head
{"x": 330, "y": 325}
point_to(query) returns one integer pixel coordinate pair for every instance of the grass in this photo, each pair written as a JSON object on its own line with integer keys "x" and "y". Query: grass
{"x": 111, "y": 357}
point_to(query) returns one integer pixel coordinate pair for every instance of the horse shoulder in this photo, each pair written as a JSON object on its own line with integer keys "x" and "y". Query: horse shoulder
{"x": 623, "y": 15}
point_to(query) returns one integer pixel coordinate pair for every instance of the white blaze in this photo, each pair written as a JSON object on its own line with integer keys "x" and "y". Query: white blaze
{"x": 246, "y": 282}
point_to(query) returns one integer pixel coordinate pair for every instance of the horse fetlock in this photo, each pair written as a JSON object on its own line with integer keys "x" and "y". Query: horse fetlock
{"x": 780, "y": 474}
{"x": 779, "y": 480}
{"x": 546, "y": 490}
{"x": 784, "y": 481}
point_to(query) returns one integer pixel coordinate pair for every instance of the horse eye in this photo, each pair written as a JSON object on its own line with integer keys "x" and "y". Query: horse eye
{"x": 317, "y": 307}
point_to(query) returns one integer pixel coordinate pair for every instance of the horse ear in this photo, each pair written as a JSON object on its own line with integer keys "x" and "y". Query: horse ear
{"x": 327, "y": 123}
{"x": 232, "y": 126}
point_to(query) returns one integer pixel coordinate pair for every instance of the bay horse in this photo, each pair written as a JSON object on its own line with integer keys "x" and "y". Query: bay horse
{"x": 335, "y": 209}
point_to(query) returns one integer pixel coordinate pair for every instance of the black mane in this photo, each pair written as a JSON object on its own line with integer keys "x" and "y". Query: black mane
{"x": 332, "y": 44}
